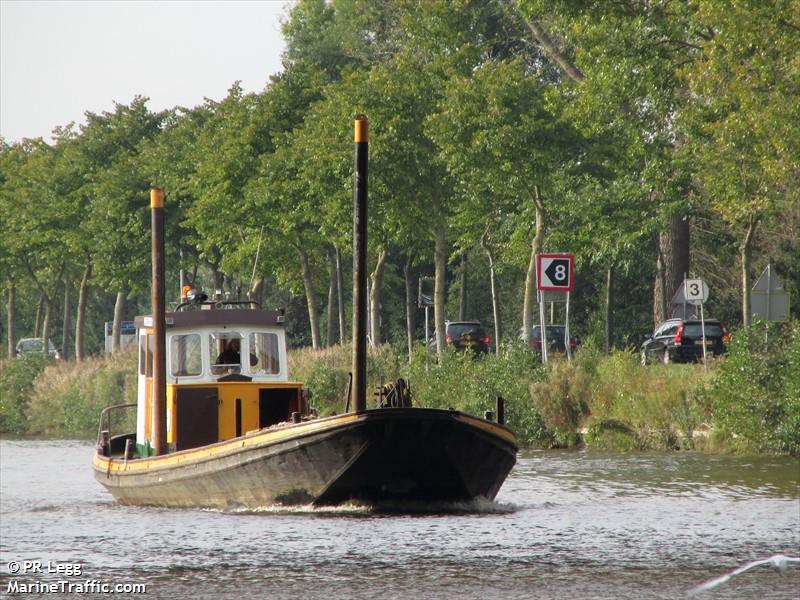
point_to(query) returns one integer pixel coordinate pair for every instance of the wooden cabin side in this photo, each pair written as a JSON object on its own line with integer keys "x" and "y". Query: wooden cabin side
{"x": 210, "y": 398}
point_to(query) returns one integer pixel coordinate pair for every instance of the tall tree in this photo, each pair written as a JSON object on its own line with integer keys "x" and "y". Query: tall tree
{"x": 746, "y": 116}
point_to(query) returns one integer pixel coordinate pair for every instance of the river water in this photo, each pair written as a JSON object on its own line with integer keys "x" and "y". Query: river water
{"x": 566, "y": 524}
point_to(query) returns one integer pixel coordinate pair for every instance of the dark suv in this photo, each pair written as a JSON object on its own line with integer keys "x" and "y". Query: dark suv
{"x": 677, "y": 340}
{"x": 556, "y": 339}
{"x": 466, "y": 335}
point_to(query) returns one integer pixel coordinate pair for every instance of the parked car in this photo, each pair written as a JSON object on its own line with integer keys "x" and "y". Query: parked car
{"x": 556, "y": 339}
{"x": 36, "y": 346}
{"x": 465, "y": 335}
{"x": 676, "y": 340}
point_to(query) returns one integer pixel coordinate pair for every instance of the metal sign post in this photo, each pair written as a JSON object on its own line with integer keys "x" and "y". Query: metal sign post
{"x": 567, "y": 344}
{"x": 554, "y": 281}
{"x": 542, "y": 329}
{"x": 696, "y": 292}
{"x": 425, "y": 300}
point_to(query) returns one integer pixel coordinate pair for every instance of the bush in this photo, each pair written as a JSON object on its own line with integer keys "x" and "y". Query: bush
{"x": 751, "y": 398}
{"x": 563, "y": 400}
{"x": 460, "y": 381}
{"x": 16, "y": 380}
{"x": 469, "y": 383}
{"x": 754, "y": 395}
{"x": 658, "y": 403}
{"x": 67, "y": 398}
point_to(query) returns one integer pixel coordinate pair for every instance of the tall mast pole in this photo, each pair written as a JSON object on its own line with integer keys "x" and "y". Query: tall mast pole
{"x": 159, "y": 322}
{"x": 359, "y": 386}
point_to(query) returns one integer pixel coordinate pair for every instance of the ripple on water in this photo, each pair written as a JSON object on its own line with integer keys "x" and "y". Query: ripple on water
{"x": 565, "y": 525}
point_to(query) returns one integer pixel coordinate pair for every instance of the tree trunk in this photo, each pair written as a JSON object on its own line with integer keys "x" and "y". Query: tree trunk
{"x": 311, "y": 300}
{"x": 219, "y": 281}
{"x": 440, "y": 272}
{"x": 462, "y": 292}
{"x": 659, "y": 290}
{"x": 48, "y": 309}
{"x": 674, "y": 250}
{"x": 66, "y": 332}
{"x": 408, "y": 276}
{"x": 609, "y": 317}
{"x": 375, "y": 298}
{"x": 340, "y": 293}
{"x": 11, "y": 320}
{"x": 553, "y": 52}
{"x": 38, "y": 324}
{"x": 116, "y": 327}
{"x": 256, "y": 292}
{"x": 332, "y": 280}
{"x": 80, "y": 321}
{"x": 746, "y": 248}
{"x": 530, "y": 276}
{"x": 493, "y": 286}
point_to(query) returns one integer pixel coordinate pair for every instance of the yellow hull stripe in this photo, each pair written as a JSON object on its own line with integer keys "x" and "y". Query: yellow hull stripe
{"x": 221, "y": 448}
{"x": 106, "y": 465}
{"x": 489, "y": 427}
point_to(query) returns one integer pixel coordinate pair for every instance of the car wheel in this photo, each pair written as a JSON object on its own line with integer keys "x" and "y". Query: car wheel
{"x": 643, "y": 357}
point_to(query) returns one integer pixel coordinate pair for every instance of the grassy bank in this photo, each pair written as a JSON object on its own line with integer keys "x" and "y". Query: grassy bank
{"x": 747, "y": 402}
{"x": 40, "y": 397}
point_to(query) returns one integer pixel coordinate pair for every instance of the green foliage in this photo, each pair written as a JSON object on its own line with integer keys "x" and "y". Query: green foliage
{"x": 563, "y": 400}
{"x": 460, "y": 381}
{"x": 685, "y": 109}
{"x": 754, "y": 396}
{"x": 660, "y": 404}
{"x": 325, "y": 373}
{"x": 611, "y": 435}
{"x": 471, "y": 384}
{"x": 16, "y": 380}
{"x": 66, "y": 399}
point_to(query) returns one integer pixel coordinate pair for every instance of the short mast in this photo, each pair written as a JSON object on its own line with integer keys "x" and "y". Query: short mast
{"x": 159, "y": 322}
{"x": 359, "y": 385}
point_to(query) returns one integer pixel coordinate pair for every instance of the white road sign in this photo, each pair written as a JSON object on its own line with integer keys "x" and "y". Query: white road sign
{"x": 554, "y": 272}
{"x": 769, "y": 300}
{"x": 695, "y": 291}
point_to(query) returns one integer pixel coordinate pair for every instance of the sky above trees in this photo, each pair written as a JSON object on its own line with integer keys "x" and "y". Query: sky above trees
{"x": 59, "y": 59}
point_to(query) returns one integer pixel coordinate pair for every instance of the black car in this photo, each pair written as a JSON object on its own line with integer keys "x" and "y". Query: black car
{"x": 678, "y": 340}
{"x": 466, "y": 335}
{"x": 556, "y": 339}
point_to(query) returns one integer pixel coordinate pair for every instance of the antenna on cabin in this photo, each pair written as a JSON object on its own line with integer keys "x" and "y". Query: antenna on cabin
{"x": 255, "y": 262}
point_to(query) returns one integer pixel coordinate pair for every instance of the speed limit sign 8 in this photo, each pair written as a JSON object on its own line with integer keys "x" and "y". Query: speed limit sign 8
{"x": 554, "y": 272}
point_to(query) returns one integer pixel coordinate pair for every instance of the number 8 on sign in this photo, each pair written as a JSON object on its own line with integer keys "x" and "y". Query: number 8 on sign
{"x": 554, "y": 272}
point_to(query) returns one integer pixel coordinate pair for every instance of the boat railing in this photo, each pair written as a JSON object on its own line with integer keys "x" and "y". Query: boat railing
{"x": 218, "y": 304}
{"x": 104, "y": 432}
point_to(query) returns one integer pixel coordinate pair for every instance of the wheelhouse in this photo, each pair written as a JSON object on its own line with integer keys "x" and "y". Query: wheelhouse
{"x": 226, "y": 375}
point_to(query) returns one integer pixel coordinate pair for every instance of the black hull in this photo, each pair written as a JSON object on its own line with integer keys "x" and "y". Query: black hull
{"x": 382, "y": 456}
{"x": 405, "y": 458}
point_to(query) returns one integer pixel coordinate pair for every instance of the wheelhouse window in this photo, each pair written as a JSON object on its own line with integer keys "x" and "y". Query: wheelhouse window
{"x": 185, "y": 355}
{"x": 264, "y": 354}
{"x": 142, "y": 354}
{"x": 146, "y": 343}
{"x": 225, "y": 352}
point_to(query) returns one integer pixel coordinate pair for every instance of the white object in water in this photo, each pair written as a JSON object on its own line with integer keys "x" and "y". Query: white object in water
{"x": 779, "y": 561}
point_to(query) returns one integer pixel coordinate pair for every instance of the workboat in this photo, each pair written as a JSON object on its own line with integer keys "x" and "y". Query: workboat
{"x": 240, "y": 434}
{"x": 220, "y": 425}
